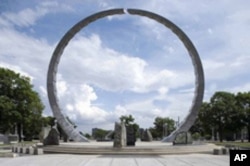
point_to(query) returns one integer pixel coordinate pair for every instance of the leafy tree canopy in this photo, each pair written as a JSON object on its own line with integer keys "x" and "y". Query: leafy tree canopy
{"x": 243, "y": 104}
{"x": 162, "y": 127}
{"x": 226, "y": 113}
{"x": 20, "y": 105}
{"x": 127, "y": 119}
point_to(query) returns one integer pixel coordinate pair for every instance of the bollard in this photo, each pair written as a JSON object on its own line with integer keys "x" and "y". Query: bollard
{"x": 38, "y": 151}
{"x": 216, "y": 151}
{"x": 20, "y": 150}
{"x": 224, "y": 151}
{"x": 27, "y": 150}
{"x": 31, "y": 150}
{"x": 24, "y": 150}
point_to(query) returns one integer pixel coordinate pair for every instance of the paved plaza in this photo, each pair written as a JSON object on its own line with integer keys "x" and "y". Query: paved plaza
{"x": 176, "y": 156}
{"x": 117, "y": 160}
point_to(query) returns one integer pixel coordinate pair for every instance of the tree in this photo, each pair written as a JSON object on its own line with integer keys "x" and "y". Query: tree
{"x": 225, "y": 116}
{"x": 49, "y": 121}
{"x": 127, "y": 119}
{"x": 87, "y": 135}
{"x": 243, "y": 104}
{"x": 100, "y": 134}
{"x": 20, "y": 105}
{"x": 162, "y": 127}
{"x": 197, "y": 127}
{"x": 204, "y": 123}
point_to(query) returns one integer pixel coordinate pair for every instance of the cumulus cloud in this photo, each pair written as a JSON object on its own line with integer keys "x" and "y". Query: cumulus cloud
{"x": 109, "y": 69}
{"x": 61, "y": 86}
{"x": 82, "y": 97}
{"x": 29, "y": 16}
{"x": 25, "y": 17}
{"x": 16, "y": 69}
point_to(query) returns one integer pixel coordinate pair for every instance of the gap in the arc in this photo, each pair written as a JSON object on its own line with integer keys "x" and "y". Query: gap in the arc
{"x": 125, "y": 11}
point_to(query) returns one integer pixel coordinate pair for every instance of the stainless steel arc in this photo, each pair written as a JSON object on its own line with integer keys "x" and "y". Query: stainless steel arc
{"x": 53, "y": 66}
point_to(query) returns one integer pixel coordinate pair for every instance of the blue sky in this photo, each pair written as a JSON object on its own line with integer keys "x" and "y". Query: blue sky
{"x": 127, "y": 64}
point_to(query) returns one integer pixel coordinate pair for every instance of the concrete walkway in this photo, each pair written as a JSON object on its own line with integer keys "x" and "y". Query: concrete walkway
{"x": 117, "y": 160}
{"x": 141, "y": 148}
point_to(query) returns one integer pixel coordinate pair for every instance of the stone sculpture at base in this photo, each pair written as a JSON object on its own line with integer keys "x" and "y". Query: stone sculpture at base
{"x": 183, "y": 138}
{"x": 52, "y": 138}
{"x": 131, "y": 137}
{"x": 120, "y": 135}
{"x": 147, "y": 136}
{"x": 44, "y": 133}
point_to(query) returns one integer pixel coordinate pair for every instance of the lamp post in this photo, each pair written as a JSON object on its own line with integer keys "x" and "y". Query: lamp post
{"x": 164, "y": 129}
{"x": 212, "y": 133}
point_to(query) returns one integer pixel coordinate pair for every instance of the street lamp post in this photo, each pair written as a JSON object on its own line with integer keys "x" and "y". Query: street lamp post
{"x": 164, "y": 130}
{"x": 212, "y": 133}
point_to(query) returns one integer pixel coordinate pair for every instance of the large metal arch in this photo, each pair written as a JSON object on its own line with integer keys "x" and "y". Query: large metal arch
{"x": 53, "y": 66}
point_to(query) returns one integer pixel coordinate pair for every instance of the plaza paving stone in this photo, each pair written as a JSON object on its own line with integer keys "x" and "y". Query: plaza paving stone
{"x": 175, "y": 159}
{"x": 117, "y": 160}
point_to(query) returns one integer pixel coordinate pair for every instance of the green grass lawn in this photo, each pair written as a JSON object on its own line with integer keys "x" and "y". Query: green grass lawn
{"x": 238, "y": 144}
{"x": 24, "y": 142}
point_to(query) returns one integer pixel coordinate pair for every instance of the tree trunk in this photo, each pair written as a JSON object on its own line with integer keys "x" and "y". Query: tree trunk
{"x": 19, "y": 130}
{"x": 220, "y": 133}
{"x": 248, "y": 131}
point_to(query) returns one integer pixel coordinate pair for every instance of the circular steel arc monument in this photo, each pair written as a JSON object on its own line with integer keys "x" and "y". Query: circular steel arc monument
{"x": 54, "y": 62}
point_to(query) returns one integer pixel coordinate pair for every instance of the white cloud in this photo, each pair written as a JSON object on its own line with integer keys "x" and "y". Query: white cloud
{"x": 24, "y": 50}
{"x": 4, "y": 22}
{"x": 25, "y": 17}
{"x": 81, "y": 104}
{"x": 120, "y": 110}
{"x": 28, "y": 16}
{"x": 16, "y": 69}
{"x": 163, "y": 91}
{"x": 242, "y": 88}
{"x": 109, "y": 69}
{"x": 43, "y": 91}
{"x": 61, "y": 85}
{"x": 210, "y": 31}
